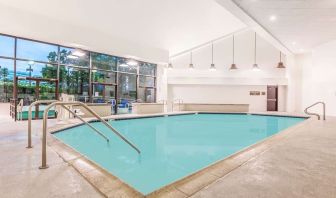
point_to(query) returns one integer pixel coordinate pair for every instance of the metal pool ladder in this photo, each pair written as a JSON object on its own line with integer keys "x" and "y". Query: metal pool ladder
{"x": 316, "y": 114}
{"x": 180, "y": 101}
{"x": 66, "y": 108}
{"x": 30, "y": 117}
{"x": 62, "y": 104}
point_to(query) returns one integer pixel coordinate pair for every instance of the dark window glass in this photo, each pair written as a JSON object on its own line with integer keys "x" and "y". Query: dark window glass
{"x": 75, "y": 57}
{"x": 146, "y": 81}
{"x": 146, "y": 95}
{"x": 36, "y": 70}
{"x": 7, "y": 46}
{"x": 36, "y": 51}
{"x": 125, "y": 66}
{"x": 75, "y": 81}
{"x": 127, "y": 86}
{"x": 105, "y": 62}
{"x": 147, "y": 69}
{"x": 103, "y": 77}
{"x": 6, "y": 79}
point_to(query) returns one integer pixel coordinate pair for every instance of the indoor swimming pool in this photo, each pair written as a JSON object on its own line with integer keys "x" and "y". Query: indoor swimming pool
{"x": 172, "y": 147}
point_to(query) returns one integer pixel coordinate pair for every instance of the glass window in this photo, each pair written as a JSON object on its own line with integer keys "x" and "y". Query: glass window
{"x": 105, "y": 62}
{"x": 36, "y": 70}
{"x": 147, "y": 69}
{"x": 6, "y": 79}
{"x": 146, "y": 81}
{"x": 47, "y": 91}
{"x": 36, "y": 51}
{"x": 127, "y": 86}
{"x": 103, "y": 77}
{"x": 7, "y": 46}
{"x": 125, "y": 66}
{"x": 146, "y": 95}
{"x": 102, "y": 93}
{"x": 74, "y": 81}
{"x": 76, "y": 57}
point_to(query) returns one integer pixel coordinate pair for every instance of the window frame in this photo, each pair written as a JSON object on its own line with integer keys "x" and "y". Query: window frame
{"x": 89, "y": 66}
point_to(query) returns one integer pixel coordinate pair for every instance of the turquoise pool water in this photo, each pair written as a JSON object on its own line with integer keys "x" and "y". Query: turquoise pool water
{"x": 171, "y": 147}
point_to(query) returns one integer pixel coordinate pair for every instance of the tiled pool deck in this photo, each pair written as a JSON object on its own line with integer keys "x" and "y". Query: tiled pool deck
{"x": 298, "y": 162}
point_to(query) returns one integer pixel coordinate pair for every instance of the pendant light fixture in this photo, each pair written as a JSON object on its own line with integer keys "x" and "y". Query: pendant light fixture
{"x": 233, "y": 65}
{"x": 281, "y": 64}
{"x": 212, "y": 66}
{"x": 255, "y": 66}
{"x": 191, "y": 65}
{"x": 170, "y": 65}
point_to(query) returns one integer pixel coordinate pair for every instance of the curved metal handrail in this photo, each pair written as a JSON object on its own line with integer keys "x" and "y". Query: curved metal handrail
{"x": 164, "y": 102}
{"x": 30, "y": 118}
{"x": 51, "y": 101}
{"x": 45, "y": 121}
{"x": 180, "y": 101}
{"x": 316, "y": 114}
{"x": 88, "y": 124}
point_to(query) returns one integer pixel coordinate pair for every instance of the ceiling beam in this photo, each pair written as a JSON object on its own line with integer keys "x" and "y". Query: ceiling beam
{"x": 250, "y": 21}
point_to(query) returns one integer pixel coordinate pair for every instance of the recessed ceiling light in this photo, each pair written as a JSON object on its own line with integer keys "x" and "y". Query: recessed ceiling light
{"x": 132, "y": 63}
{"x": 72, "y": 56}
{"x": 78, "y": 53}
{"x": 272, "y": 18}
{"x": 123, "y": 65}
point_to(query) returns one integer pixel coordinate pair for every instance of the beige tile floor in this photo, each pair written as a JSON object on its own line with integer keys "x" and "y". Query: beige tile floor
{"x": 19, "y": 173}
{"x": 303, "y": 164}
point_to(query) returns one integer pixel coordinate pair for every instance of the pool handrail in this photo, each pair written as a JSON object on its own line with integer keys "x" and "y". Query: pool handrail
{"x": 164, "y": 102}
{"x": 180, "y": 101}
{"x": 30, "y": 118}
{"x": 85, "y": 122}
{"x": 316, "y": 114}
{"x": 45, "y": 121}
{"x": 51, "y": 101}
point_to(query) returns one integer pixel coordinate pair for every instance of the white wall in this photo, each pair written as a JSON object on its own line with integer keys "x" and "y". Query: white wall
{"x": 319, "y": 77}
{"x": 220, "y": 94}
{"x": 225, "y": 86}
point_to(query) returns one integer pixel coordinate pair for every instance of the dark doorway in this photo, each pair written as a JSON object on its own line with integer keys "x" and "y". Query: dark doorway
{"x": 272, "y": 98}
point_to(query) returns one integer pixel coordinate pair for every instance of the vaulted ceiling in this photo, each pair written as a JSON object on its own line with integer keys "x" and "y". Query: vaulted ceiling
{"x": 299, "y": 24}
{"x": 144, "y": 28}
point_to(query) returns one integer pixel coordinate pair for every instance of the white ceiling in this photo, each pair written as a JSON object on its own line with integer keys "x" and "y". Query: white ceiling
{"x": 142, "y": 28}
{"x": 307, "y": 23}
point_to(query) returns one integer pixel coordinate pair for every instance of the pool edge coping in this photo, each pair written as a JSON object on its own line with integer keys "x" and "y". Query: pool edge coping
{"x": 183, "y": 187}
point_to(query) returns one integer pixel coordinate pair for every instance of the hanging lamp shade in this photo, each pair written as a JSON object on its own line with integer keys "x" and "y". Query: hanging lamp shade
{"x": 255, "y": 66}
{"x": 191, "y": 65}
{"x": 212, "y": 66}
{"x": 233, "y": 65}
{"x": 170, "y": 66}
{"x": 281, "y": 64}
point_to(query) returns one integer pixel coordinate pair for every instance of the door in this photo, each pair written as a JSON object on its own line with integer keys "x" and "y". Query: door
{"x": 272, "y": 98}
{"x": 31, "y": 89}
